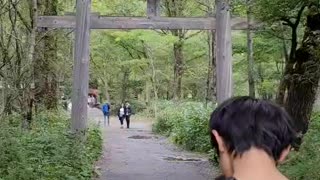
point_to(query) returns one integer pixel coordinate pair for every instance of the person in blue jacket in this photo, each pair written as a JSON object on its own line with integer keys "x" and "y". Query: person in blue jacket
{"x": 106, "y": 113}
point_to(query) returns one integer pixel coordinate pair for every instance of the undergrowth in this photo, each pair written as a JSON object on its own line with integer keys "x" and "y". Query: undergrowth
{"x": 48, "y": 151}
{"x": 304, "y": 164}
{"x": 186, "y": 124}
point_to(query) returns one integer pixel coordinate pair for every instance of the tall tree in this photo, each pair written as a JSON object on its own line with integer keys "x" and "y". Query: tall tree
{"x": 250, "y": 50}
{"x": 305, "y": 75}
{"x": 46, "y": 92}
{"x": 298, "y": 86}
{"x": 175, "y": 8}
{"x": 179, "y": 8}
{"x": 289, "y": 13}
{"x": 17, "y": 43}
{"x": 209, "y": 9}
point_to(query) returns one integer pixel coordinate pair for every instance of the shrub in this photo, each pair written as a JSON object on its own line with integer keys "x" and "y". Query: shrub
{"x": 305, "y": 163}
{"x": 48, "y": 151}
{"x": 137, "y": 106}
{"x": 160, "y": 106}
{"x": 186, "y": 124}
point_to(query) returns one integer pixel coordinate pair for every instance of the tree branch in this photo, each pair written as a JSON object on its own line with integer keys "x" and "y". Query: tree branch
{"x": 192, "y": 35}
{"x": 23, "y": 20}
{"x": 299, "y": 15}
{"x": 287, "y": 21}
{"x": 196, "y": 57}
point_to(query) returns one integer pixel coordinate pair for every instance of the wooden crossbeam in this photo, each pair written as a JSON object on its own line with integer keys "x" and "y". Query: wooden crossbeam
{"x": 165, "y": 23}
{"x": 73, "y": 14}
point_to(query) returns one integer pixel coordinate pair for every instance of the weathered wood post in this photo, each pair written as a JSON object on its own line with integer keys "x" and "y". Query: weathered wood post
{"x": 223, "y": 51}
{"x": 81, "y": 67}
{"x": 153, "y": 8}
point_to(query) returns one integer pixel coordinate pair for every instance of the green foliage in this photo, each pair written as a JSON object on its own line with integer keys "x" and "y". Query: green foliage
{"x": 186, "y": 124}
{"x": 48, "y": 151}
{"x": 137, "y": 106}
{"x": 305, "y": 163}
{"x": 161, "y": 105}
{"x": 274, "y": 10}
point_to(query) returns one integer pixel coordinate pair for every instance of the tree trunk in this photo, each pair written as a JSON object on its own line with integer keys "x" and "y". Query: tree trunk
{"x": 168, "y": 91}
{"x": 213, "y": 68}
{"x": 28, "y": 114}
{"x": 147, "y": 91}
{"x": 46, "y": 54}
{"x": 209, "y": 74}
{"x": 174, "y": 8}
{"x": 250, "y": 51}
{"x": 212, "y": 54}
{"x": 211, "y": 78}
{"x": 125, "y": 84}
{"x": 305, "y": 75}
{"x": 105, "y": 83}
{"x": 178, "y": 69}
{"x": 154, "y": 86}
{"x": 106, "y": 87}
{"x": 284, "y": 83}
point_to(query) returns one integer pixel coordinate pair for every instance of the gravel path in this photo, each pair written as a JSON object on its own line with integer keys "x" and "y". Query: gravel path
{"x": 138, "y": 154}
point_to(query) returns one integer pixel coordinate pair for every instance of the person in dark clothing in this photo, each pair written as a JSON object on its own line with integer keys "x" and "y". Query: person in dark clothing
{"x": 251, "y": 137}
{"x": 106, "y": 113}
{"x": 128, "y": 113}
{"x": 121, "y": 114}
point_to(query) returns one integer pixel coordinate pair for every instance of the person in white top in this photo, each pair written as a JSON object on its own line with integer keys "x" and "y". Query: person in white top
{"x": 121, "y": 115}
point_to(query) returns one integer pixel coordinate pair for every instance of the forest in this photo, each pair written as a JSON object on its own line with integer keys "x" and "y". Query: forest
{"x": 168, "y": 76}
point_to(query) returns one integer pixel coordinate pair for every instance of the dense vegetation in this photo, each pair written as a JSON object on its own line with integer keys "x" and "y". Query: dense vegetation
{"x": 304, "y": 164}
{"x": 186, "y": 124}
{"x": 48, "y": 151}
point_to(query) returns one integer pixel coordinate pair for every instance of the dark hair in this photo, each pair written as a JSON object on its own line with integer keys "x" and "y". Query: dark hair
{"x": 245, "y": 122}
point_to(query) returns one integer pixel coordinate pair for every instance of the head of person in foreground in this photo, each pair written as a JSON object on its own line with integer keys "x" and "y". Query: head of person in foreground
{"x": 251, "y": 138}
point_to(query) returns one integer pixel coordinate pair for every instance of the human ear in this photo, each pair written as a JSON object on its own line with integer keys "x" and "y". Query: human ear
{"x": 284, "y": 154}
{"x": 220, "y": 142}
{"x": 224, "y": 157}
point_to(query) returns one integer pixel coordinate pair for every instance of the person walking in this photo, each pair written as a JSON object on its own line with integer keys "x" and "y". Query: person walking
{"x": 106, "y": 113}
{"x": 121, "y": 114}
{"x": 128, "y": 113}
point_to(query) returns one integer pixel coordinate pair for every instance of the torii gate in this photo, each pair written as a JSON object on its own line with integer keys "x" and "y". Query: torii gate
{"x": 84, "y": 21}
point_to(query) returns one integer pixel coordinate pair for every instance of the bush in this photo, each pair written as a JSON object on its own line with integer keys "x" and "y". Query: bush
{"x": 48, "y": 151}
{"x": 137, "y": 106}
{"x": 186, "y": 124}
{"x": 305, "y": 163}
{"x": 160, "y": 105}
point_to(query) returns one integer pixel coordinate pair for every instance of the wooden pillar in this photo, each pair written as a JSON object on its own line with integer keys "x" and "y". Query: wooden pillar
{"x": 223, "y": 51}
{"x": 81, "y": 67}
{"x": 153, "y": 8}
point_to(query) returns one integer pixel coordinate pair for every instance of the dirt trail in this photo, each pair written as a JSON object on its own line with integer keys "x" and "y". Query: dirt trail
{"x": 138, "y": 154}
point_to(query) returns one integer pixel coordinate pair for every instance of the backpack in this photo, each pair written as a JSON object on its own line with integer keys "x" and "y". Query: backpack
{"x": 105, "y": 108}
